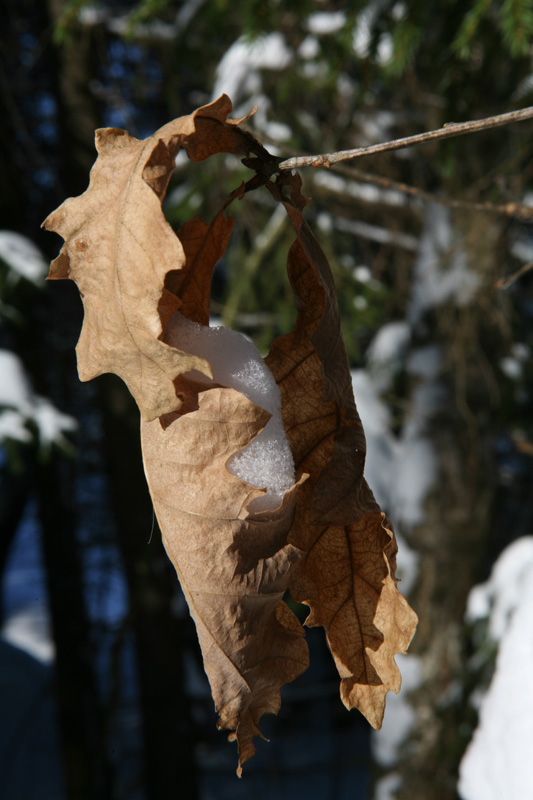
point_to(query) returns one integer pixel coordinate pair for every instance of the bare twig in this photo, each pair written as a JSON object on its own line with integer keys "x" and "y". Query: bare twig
{"x": 447, "y": 131}
{"x": 504, "y": 283}
{"x": 523, "y": 446}
{"x": 510, "y": 209}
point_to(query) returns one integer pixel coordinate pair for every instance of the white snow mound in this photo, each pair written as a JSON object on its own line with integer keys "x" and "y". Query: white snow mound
{"x": 236, "y": 363}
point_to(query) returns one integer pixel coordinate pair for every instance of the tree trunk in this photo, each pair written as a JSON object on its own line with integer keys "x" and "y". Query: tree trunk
{"x": 168, "y": 731}
{"x": 79, "y": 714}
{"x": 454, "y": 539}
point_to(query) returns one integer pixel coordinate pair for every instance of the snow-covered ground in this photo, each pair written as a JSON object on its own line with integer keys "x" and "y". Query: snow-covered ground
{"x": 497, "y": 764}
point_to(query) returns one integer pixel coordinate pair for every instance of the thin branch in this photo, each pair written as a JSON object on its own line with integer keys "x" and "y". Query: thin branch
{"x": 504, "y": 283}
{"x": 447, "y": 131}
{"x": 523, "y": 446}
{"x": 510, "y": 209}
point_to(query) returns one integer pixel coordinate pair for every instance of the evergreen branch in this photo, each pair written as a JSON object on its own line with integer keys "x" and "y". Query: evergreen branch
{"x": 448, "y": 130}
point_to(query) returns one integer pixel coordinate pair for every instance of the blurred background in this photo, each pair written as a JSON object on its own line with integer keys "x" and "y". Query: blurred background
{"x": 102, "y": 692}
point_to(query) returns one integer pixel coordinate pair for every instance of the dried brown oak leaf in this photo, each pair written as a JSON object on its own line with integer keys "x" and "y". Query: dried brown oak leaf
{"x": 234, "y": 567}
{"x": 348, "y": 574}
{"x": 119, "y": 248}
{"x": 328, "y": 540}
{"x": 133, "y": 274}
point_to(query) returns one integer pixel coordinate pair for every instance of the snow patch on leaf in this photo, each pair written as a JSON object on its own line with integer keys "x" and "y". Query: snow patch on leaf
{"x": 236, "y": 363}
